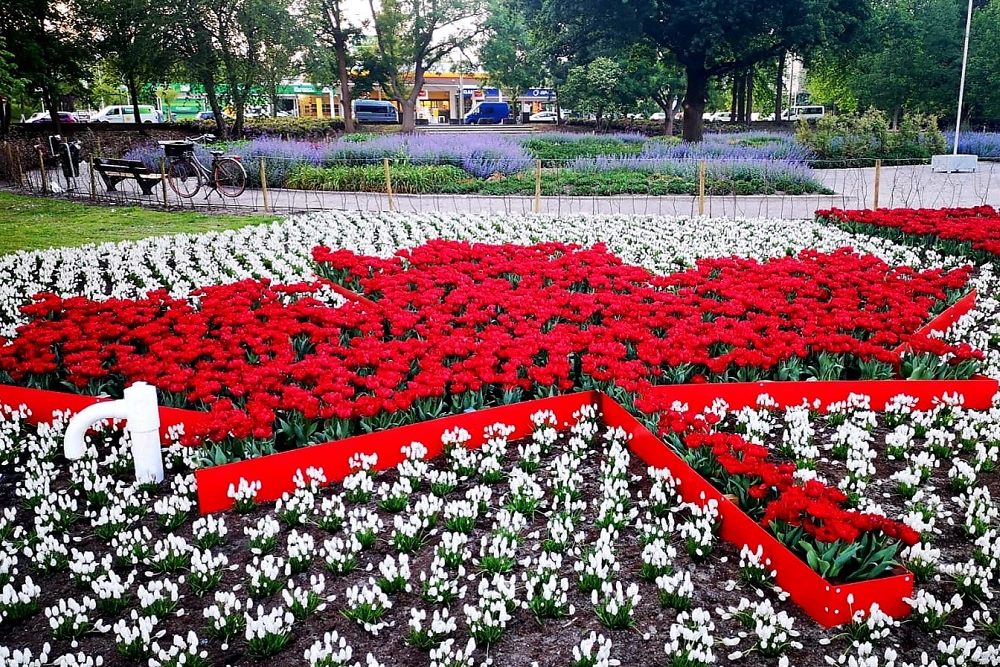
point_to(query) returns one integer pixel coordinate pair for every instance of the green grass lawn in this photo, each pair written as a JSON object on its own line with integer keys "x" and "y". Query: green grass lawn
{"x": 30, "y": 223}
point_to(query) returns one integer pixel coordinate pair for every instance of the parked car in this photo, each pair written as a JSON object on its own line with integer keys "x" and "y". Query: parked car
{"x": 812, "y": 112}
{"x": 374, "y": 111}
{"x": 64, "y": 117}
{"x": 124, "y": 114}
{"x": 488, "y": 113}
{"x": 658, "y": 116}
{"x": 544, "y": 117}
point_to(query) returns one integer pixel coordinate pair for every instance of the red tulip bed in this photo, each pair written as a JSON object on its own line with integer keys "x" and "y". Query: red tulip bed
{"x": 451, "y": 326}
{"x": 972, "y": 232}
{"x": 480, "y": 454}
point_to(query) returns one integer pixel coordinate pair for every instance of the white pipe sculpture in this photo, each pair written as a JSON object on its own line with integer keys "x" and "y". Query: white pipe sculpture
{"x": 139, "y": 408}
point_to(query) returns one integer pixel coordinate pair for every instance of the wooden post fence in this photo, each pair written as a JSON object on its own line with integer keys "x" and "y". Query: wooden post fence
{"x": 388, "y": 183}
{"x": 163, "y": 180}
{"x": 538, "y": 186}
{"x": 701, "y": 188}
{"x": 878, "y": 184}
{"x": 263, "y": 186}
{"x": 41, "y": 169}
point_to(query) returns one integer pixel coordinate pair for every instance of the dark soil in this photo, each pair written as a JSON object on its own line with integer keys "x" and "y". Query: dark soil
{"x": 526, "y": 641}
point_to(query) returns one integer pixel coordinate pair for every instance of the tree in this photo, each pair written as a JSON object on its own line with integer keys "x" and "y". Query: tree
{"x": 414, "y": 35}
{"x": 712, "y": 39}
{"x": 134, "y": 41}
{"x": 511, "y": 53}
{"x": 657, "y": 77}
{"x": 600, "y": 87}
{"x": 906, "y": 58}
{"x": 984, "y": 63}
{"x": 339, "y": 35}
{"x": 49, "y": 55}
{"x": 199, "y": 58}
{"x": 281, "y": 46}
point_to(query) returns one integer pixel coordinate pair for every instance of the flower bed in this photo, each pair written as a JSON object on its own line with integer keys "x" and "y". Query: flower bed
{"x": 452, "y": 326}
{"x": 971, "y": 232}
{"x": 485, "y": 163}
{"x": 931, "y": 464}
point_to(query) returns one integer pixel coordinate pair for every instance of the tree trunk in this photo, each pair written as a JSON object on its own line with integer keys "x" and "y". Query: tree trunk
{"x": 50, "y": 102}
{"x": 241, "y": 108}
{"x": 345, "y": 87}
{"x": 274, "y": 99}
{"x": 694, "y": 102}
{"x": 408, "y": 105}
{"x": 133, "y": 96}
{"x": 734, "y": 104}
{"x": 749, "y": 87}
{"x": 208, "y": 83}
{"x": 668, "y": 128}
{"x": 779, "y": 82}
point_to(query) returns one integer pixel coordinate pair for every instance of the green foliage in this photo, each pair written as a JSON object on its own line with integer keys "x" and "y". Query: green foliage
{"x": 868, "y": 136}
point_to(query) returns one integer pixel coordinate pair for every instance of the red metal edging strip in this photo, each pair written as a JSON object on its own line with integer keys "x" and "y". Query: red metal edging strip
{"x": 977, "y": 393}
{"x": 828, "y": 604}
{"x": 275, "y": 471}
{"x": 946, "y": 318}
{"x": 43, "y": 403}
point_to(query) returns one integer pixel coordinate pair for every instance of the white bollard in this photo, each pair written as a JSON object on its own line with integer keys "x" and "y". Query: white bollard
{"x": 139, "y": 408}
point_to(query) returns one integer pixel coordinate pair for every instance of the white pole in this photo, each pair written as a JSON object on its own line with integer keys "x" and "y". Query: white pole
{"x": 961, "y": 86}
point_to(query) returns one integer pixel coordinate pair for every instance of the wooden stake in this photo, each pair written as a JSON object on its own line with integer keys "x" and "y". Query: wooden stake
{"x": 163, "y": 180}
{"x": 538, "y": 186}
{"x": 878, "y": 183}
{"x": 263, "y": 186}
{"x": 701, "y": 188}
{"x": 388, "y": 184}
{"x": 41, "y": 167}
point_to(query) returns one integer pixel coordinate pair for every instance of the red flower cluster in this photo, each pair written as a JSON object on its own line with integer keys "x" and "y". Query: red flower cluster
{"x": 451, "y": 317}
{"x": 978, "y": 226}
{"x": 816, "y": 507}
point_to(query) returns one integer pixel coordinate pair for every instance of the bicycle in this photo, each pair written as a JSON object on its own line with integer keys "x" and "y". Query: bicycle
{"x": 186, "y": 174}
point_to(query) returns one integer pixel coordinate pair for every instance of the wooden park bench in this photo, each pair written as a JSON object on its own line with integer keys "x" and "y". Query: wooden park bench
{"x": 114, "y": 172}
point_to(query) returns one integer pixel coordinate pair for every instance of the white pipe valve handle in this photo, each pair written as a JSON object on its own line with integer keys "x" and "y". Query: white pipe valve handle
{"x": 139, "y": 409}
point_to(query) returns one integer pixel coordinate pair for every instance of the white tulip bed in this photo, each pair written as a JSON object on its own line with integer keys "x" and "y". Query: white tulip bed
{"x": 557, "y": 549}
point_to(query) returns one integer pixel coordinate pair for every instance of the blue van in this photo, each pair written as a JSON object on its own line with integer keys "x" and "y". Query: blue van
{"x": 374, "y": 111}
{"x": 488, "y": 113}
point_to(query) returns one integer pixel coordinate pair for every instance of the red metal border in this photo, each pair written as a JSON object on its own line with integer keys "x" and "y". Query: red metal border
{"x": 947, "y": 317}
{"x": 44, "y": 403}
{"x": 828, "y": 604}
{"x": 275, "y": 472}
{"x": 977, "y": 392}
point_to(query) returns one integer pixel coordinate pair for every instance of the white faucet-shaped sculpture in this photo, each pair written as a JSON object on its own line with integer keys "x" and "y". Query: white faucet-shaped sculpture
{"x": 139, "y": 408}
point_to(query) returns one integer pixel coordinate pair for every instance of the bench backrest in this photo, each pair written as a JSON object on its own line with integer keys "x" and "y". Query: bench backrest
{"x": 126, "y": 165}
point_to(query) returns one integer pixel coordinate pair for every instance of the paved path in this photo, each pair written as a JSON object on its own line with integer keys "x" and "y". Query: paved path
{"x": 911, "y": 186}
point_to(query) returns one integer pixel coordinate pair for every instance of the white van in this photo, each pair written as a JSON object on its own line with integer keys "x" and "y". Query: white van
{"x": 125, "y": 114}
{"x": 814, "y": 112}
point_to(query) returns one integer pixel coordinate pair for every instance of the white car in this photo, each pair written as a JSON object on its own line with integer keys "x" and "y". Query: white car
{"x": 544, "y": 117}
{"x": 118, "y": 113}
{"x": 659, "y": 115}
{"x": 813, "y": 112}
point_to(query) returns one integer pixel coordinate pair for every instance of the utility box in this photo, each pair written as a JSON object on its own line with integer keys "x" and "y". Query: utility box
{"x": 954, "y": 164}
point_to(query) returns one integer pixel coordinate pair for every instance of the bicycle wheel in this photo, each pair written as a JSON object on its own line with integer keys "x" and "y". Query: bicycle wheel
{"x": 230, "y": 177}
{"x": 184, "y": 178}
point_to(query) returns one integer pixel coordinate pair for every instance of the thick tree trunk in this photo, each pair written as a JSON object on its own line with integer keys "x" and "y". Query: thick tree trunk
{"x": 241, "y": 109}
{"x": 668, "y": 125}
{"x": 779, "y": 82}
{"x": 213, "y": 102}
{"x": 345, "y": 88}
{"x": 408, "y": 118}
{"x": 694, "y": 102}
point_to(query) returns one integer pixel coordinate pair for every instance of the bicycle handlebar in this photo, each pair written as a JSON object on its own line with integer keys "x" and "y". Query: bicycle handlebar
{"x": 204, "y": 139}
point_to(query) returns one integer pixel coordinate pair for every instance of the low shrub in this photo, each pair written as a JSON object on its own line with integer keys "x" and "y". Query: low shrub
{"x": 846, "y": 140}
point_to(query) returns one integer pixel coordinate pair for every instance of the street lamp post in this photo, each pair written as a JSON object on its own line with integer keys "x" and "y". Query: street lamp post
{"x": 955, "y": 162}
